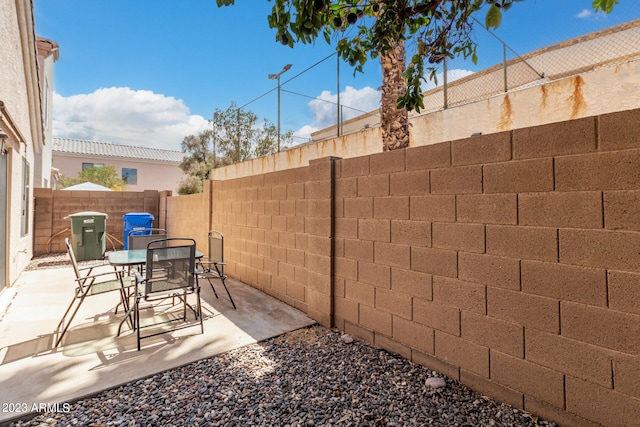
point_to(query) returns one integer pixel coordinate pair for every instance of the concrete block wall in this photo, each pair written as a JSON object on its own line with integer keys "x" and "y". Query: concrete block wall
{"x": 510, "y": 262}
{"x": 52, "y": 206}
{"x": 187, "y": 216}
{"x": 278, "y": 229}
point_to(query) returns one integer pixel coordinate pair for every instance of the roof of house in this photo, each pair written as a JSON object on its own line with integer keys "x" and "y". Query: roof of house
{"x": 106, "y": 149}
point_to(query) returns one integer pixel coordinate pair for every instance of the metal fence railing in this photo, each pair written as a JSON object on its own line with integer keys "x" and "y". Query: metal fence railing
{"x": 457, "y": 84}
{"x": 611, "y": 46}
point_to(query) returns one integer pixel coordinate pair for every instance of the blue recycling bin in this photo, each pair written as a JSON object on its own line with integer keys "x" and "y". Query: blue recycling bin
{"x": 136, "y": 220}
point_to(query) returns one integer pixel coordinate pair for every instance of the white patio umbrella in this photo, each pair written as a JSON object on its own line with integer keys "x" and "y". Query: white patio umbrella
{"x": 88, "y": 186}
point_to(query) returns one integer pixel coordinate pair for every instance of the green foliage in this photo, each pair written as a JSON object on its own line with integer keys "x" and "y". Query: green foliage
{"x": 365, "y": 29}
{"x": 238, "y": 137}
{"x": 234, "y": 132}
{"x": 190, "y": 185}
{"x": 605, "y": 6}
{"x": 101, "y": 175}
{"x": 266, "y": 142}
{"x": 198, "y": 162}
{"x": 234, "y": 137}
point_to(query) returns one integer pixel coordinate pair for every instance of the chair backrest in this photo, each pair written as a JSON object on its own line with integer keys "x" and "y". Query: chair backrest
{"x": 72, "y": 256}
{"x": 139, "y": 238}
{"x": 170, "y": 265}
{"x": 216, "y": 248}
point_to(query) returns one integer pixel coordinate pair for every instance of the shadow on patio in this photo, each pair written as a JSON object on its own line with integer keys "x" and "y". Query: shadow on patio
{"x": 91, "y": 358}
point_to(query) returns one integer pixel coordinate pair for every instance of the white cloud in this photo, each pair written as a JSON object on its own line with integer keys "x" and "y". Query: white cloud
{"x": 586, "y": 13}
{"x": 355, "y": 102}
{"x": 324, "y": 108}
{"x": 125, "y": 116}
{"x": 589, "y": 14}
{"x": 452, "y": 75}
{"x": 304, "y": 133}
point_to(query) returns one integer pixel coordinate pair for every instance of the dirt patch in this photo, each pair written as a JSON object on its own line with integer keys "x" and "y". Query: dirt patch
{"x": 308, "y": 335}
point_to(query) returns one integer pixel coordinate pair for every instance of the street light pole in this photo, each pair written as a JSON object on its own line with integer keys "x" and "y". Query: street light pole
{"x": 277, "y": 77}
{"x": 213, "y": 137}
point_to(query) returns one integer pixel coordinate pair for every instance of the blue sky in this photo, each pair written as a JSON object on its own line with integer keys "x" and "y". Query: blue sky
{"x": 149, "y": 72}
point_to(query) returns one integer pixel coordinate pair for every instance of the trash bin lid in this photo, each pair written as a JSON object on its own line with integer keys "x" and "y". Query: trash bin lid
{"x": 145, "y": 215}
{"x": 88, "y": 213}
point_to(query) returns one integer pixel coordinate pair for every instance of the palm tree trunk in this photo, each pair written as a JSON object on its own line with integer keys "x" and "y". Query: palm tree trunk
{"x": 394, "y": 122}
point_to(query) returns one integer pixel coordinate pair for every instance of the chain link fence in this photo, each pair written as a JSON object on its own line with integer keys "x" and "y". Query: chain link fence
{"x": 508, "y": 65}
{"x": 607, "y": 47}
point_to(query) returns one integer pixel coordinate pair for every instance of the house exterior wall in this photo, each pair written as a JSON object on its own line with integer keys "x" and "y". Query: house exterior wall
{"x": 507, "y": 261}
{"x": 151, "y": 175}
{"x": 47, "y": 55}
{"x": 20, "y": 119}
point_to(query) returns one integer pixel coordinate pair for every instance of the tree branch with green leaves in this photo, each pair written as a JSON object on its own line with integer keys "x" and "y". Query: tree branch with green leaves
{"x": 366, "y": 29}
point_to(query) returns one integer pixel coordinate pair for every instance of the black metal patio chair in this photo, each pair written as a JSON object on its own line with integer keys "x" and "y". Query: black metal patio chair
{"x": 212, "y": 266}
{"x": 89, "y": 282}
{"x": 169, "y": 273}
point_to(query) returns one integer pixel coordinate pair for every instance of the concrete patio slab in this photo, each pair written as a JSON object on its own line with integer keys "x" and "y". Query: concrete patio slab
{"x": 91, "y": 358}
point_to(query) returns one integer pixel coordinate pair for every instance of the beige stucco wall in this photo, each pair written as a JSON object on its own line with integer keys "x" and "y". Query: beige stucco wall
{"x": 584, "y": 95}
{"x": 603, "y": 90}
{"x": 47, "y": 55}
{"x": 611, "y": 46}
{"x": 17, "y": 80}
{"x": 151, "y": 175}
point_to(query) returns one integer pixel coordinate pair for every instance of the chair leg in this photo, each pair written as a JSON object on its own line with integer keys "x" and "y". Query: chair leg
{"x": 125, "y": 295}
{"x": 128, "y": 313}
{"x": 73, "y": 314}
{"x": 228, "y": 293}
{"x": 126, "y": 318}
{"x": 184, "y": 307}
{"x": 222, "y": 278}
{"x": 136, "y": 319}
{"x": 212, "y": 288}
{"x": 199, "y": 308}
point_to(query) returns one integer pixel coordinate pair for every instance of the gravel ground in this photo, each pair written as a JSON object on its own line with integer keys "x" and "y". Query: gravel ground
{"x": 57, "y": 260}
{"x": 310, "y": 377}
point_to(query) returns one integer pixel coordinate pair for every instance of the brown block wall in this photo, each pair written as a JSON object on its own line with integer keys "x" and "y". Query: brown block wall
{"x": 52, "y": 206}
{"x": 278, "y": 228}
{"x": 510, "y": 262}
{"x": 188, "y": 216}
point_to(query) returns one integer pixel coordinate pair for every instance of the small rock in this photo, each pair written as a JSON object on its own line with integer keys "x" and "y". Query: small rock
{"x": 346, "y": 338}
{"x": 435, "y": 382}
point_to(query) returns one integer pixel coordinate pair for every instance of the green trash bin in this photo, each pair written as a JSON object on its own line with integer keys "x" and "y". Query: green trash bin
{"x": 88, "y": 238}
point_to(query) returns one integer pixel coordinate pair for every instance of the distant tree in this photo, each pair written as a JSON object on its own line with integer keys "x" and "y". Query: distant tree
{"x": 102, "y": 175}
{"x": 234, "y": 137}
{"x": 437, "y": 29}
{"x": 190, "y": 185}
{"x": 234, "y": 133}
{"x": 266, "y": 142}
{"x": 198, "y": 161}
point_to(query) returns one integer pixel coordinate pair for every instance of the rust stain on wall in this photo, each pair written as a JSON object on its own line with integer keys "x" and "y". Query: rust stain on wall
{"x": 544, "y": 96}
{"x": 506, "y": 112}
{"x": 291, "y": 154}
{"x": 577, "y": 102}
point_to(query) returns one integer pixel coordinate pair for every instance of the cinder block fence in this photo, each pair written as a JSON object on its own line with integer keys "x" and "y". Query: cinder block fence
{"x": 510, "y": 261}
{"x": 52, "y": 207}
